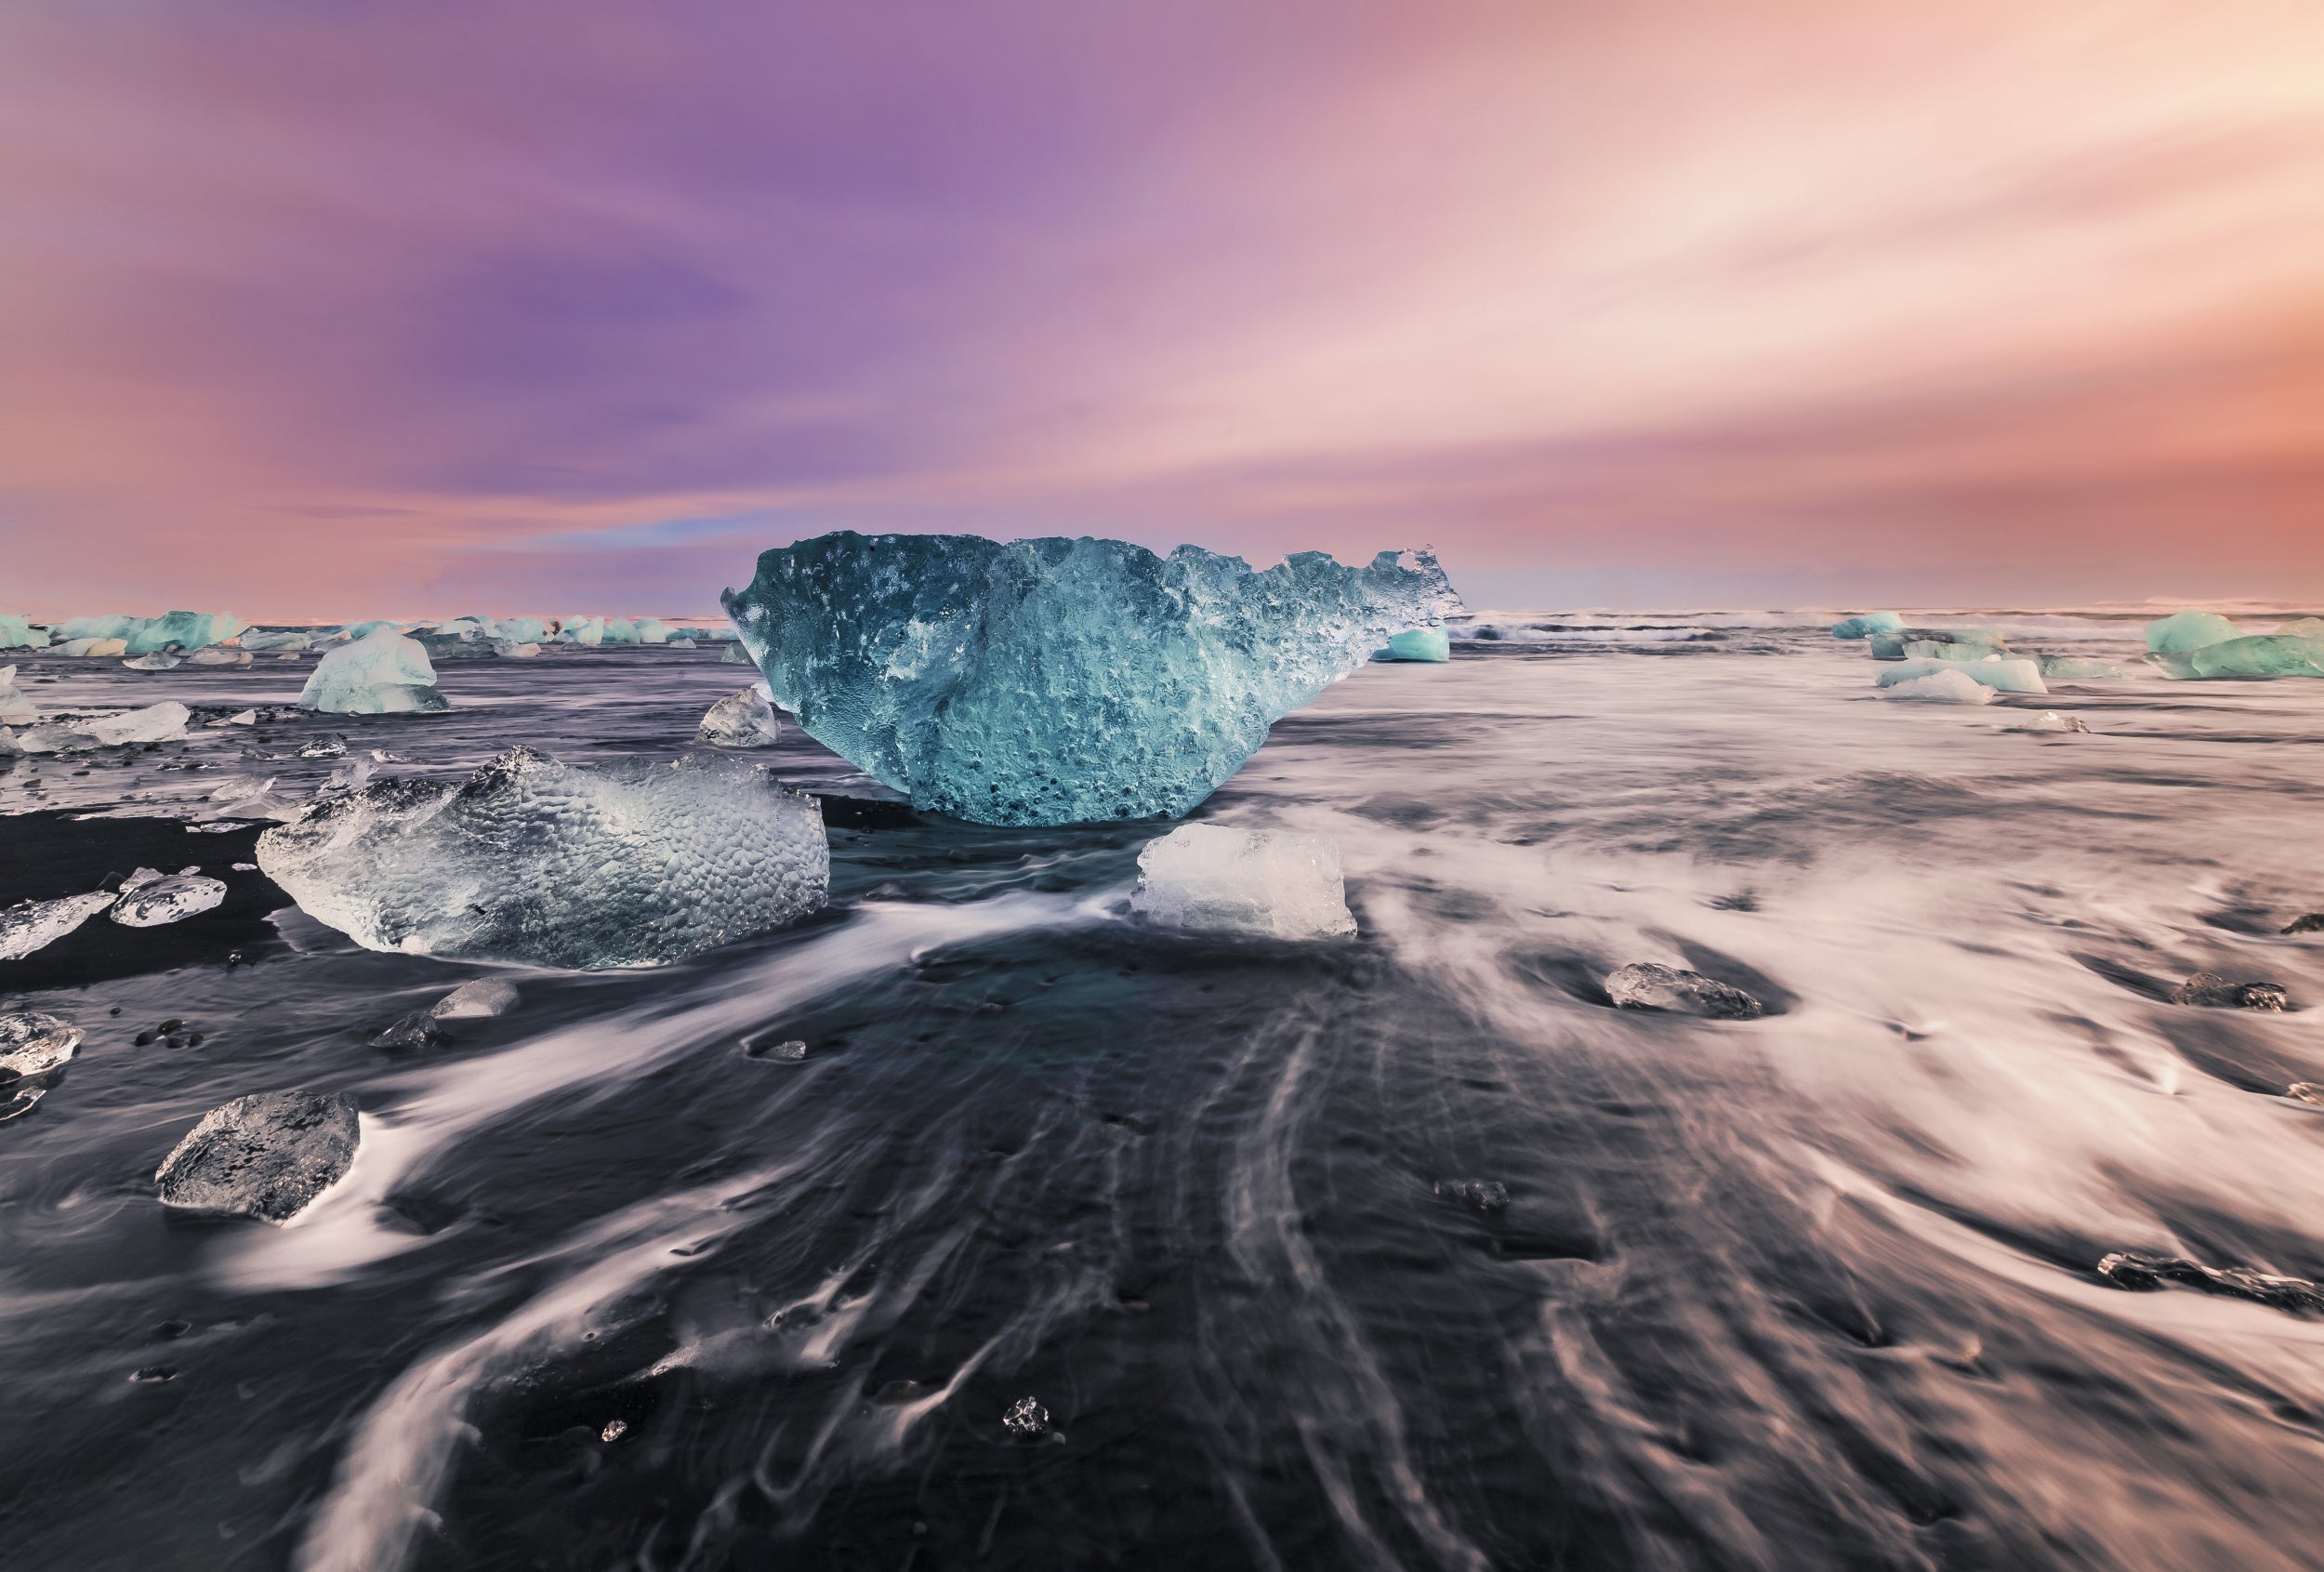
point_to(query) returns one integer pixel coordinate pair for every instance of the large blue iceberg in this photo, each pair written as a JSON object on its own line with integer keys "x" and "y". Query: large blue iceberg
{"x": 1060, "y": 682}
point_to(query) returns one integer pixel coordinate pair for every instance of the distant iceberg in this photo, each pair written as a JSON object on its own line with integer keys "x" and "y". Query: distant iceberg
{"x": 2253, "y": 655}
{"x": 1059, "y": 681}
{"x": 2183, "y": 632}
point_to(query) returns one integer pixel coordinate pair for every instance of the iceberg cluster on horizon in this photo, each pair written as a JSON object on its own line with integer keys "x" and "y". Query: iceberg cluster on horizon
{"x": 2198, "y": 645}
{"x": 1054, "y": 682}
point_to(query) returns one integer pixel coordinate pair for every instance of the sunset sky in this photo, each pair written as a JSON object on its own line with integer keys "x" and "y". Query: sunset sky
{"x": 320, "y": 309}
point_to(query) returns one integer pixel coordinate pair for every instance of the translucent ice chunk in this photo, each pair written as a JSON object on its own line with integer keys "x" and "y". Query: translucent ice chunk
{"x": 188, "y": 630}
{"x": 37, "y": 924}
{"x": 266, "y": 1156}
{"x": 618, "y": 631}
{"x": 33, "y": 1044}
{"x": 2003, "y": 676}
{"x": 1950, "y": 686}
{"x": 736, "y": 655}
{"x": 507, "y": 650}
{"x": 2260, "y": 654}
{"x": 277, "y": 640}
{"x": 155, "y": 724}
{"x": 1420, "y": 644}
{"x": 1055, "y": 681}
{"x": 155, "y": 662}
{"x": 17, "y": 633}
{"x": 2050, "y": 720}
{"x": 354, "y": 630}
{"x": 2184, "y": 631}
{"x": 626, "y": 864}
{"x": 483, "y": 997}
{"x": 1210, "y": 878}
{"x": 582, "y": 630}
{"x": 743, "y": 719}
{"x": 16, "y": 706}
{"x": 218, "y": 655}
{"x": 2305, "y": 628}
{"x": 1868, "y": 624}
{"x": 651, "y": 630}
{"x": 97, "y": 626}
{"x": 161, "y": 900}
{"x": 92, "y": 648}
{"x": 382, "y": 673}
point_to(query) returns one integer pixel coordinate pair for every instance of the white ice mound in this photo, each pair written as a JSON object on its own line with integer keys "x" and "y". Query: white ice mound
{"x": 1059, "y": 681}
{"x": 37, "y": 924}
{"x": 2003, "y": 676}
{"x": 2184, "y": 631}
{"x": 743, "y": 719}
{"x": 16, "y": 706}
{"x": 381, "y": 673}
{"x": 1951, "y": 685}
{"x": 626, "y": 864}
{"x": 155, "y": 903}
{"x": 1210, "y": 878}
{"x": 155, "y": 724}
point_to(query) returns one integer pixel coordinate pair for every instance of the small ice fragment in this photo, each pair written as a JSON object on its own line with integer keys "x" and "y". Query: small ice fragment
{"x": 1478, "y": 1195}
{"x": 155, "y": 724}
{"x": 682, "y": 644}
{"x": 328, "y": 746}
{"x": 788, "y": 1051}
{"x": 743, "y": 719}
{"x": 2074, "y": 668}
{"x": 2143, "y": 1274}
{"x": 475, "y": 999}
{"x": 218, "y": 655}
{"x": 155, "y": 662}
{"x": 140, "y": 878}
{"x": 1213, "y": 879}
{"x": 2050, "y": 720}
{"x": 245, "y": 718}
{"x": 2214, "y": 992}
{"x": 245, "y": 868}
{"x": 2003, "y": 676}
{"x": 1026, "y": 1417}
{"x": 33, "y": 1044}
{"x": 615, "y": 1429}
{"x": 624, "y": 864}
{"x": 1949, "y": 686}
{"x": 41, "y": 923}
{"x": 735, "y": 654}
{"x": 1645, "y": 986}
{"x": 16, "y": 707}
{"x": 2185, "y": 632}
{"x": 160, "y": 901}
{"x": 382, "y": 673}
{"x": 2305, "y": 1091}
{"x": 20, "y": 1100}
{"x": 266, "y": 1155}
{"x": 507, "y": 650}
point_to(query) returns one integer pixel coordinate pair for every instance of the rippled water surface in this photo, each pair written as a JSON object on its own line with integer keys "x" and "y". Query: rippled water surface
{"x": 1816, "y": 1290}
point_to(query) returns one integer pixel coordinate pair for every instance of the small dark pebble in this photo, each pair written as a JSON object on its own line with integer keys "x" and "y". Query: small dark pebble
{"x": 175, "y": 1041}
{"x": 2312, "y": 923}
{"x": 114, "y": 1011}
{"x": 172, "y": 1024}
{"x": 173, "y": 1329}
{"x": 144, "y": 1040}
{"x": 193, "y": 1039}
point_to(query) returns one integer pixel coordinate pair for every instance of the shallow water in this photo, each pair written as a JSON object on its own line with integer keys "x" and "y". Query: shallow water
{"x": 1814, "y": 1291}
